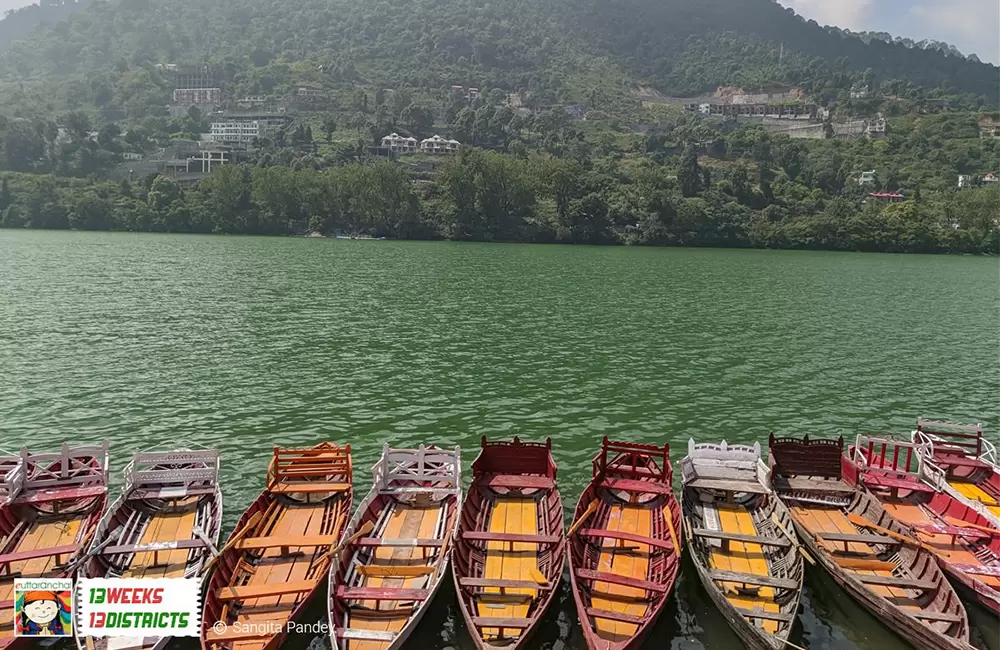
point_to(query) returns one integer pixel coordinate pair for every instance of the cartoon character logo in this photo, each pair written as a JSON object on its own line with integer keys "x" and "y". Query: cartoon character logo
{"x": 44, "y": 613}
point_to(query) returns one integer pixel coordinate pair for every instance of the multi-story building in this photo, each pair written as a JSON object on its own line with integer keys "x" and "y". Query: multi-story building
{"x": 867, "y": 178}
{"x": 197, "y": 96}
{"x": 399, "y": 144}
{"x": 264, "y": 117}
{"x": 437, "y": 144}
{"x": 236, "y": 132}
{"x": 876, "y": 128}
{"x": 989, "y": 127}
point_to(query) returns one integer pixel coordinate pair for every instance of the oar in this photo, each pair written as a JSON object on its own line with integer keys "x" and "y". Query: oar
{"x": 366, "y": 528}
{"x": 235, "y": 539}
{"x": 791, "y": 538}
{"x": 113, "y": 537}
{"x": 965, "y": 524}
{"x": 673, "y": 533}
{"x": 200, "y": 534}
{"x": 583, "y": 517}
{"x": 906, "y": 539}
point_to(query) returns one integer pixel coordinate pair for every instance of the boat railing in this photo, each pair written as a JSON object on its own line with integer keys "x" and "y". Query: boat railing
{"x": 309, "y": 464}
{"x": 898, "y": 457}
{"x": 805, "y": 456}
{"x": 175, "y": 467}
{"x": 515, "y": 457}
{"x": 721, "y": 460}
{"x": 79, "y": 466}
{"x": 398, "y": 468}
{"x": 12, "y": 475}
{"x": 626, "y": 458}
{"x": 949, "y": 437}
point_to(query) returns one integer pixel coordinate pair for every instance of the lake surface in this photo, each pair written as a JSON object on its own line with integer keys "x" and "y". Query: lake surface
{"x": 244, "y": 343}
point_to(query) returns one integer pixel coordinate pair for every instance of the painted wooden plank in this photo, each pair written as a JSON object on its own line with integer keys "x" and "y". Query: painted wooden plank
{"x": 936, "y": 616}
{"x": 780, "y": 542}
{"x": 770, "y": 616}
{"x": 628, "y": 537}
{"x": 616, "y": 579}
{"x": 309, "y": 488}
{"x": 831, "y": 536}
{"x": 481, "y": 536}
{"x": 503, "y": 584}
{"x": 249, "y": 543}
{"x": 394, "y": 571}
{"x": 497, "y": 622}
{"x": 376, "y": 541}
{"x": 365, "y": 635}
{"x": 154, "y": 546}
{"x": 384, "y": 593}
{"x": 896, "y": 581}
{"x": 257, "y": 591}
{"x": 517, "y": 481}
{"x": 38, "y": 553}
{"x": 632, "y": 485}
{"x": 615, "y": 616}
{"x": 753, "y": 579}
{"x": 67, "y": 494}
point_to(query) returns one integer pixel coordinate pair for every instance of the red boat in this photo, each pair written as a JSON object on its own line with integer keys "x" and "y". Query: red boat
{"x": 968, "y": 461}
{"x": 967, "y": 547}
{"x": 53, "y": 503}
{"x": 279, "y": 553}
{"x": 625, "y": 544}
{"x": 510, "y": 548}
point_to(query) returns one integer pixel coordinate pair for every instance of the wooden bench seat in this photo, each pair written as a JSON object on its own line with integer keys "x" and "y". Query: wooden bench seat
{"x": 32, "y": 497}
{"x": 893, "y": 483}
{"x": 960, "y": 461}
{"x": 154, "y": 547}
{"x": 770, "y": 616}
{"x": 618, "y": 579}
{"x": 517, "y": 481}
{"x": 308, "y": 487}
{"x": 385, "y": 541}
{"x": 954, "y": 531}
{"x": 863, "y": 563}
{"x": 260, "y": 591}
{"x": 512, "y": 623}
{"x": 482, "y": 536}
{"x": 780, "y": 542}
{"x": 896, "y": 581}
{"x": 170, "y": 492}
{"x": 233, "y": 634}
{"x": 504, "y": 584}
{"x": 753, "y": 579}
{"x": 978, "y": 569}
{"x": 394, "y": 570}
{"x": 729, "y": 485}
{"x": 935, "y": 616}
{"x": 250, "y": 543}
{"x": 381, "y": 593}
{"x": 615, "y": 616}
{"x": 634, "y": 486}
{"x": 628, "y": 537}
{"x": 836, "y": 536}
{"x": 20, "y": 556}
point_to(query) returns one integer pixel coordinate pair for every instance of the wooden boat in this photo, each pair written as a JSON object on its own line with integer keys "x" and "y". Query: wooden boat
{"x": 396, "y": 549}
{"x": 165, "y": 524}
{"x": 740, "y": 538}
{"x": 510, "y": 546}
{"x": 53, "y": 504}
{"x": 858, "y": 543}
{"x": 907, "y": 484}
{"x": 969, "y": 462}
{"x": 279, "y": 552}
{"x": 624, "y": 544}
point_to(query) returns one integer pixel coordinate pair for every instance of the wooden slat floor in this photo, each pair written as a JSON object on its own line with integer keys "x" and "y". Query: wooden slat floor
{"x": 944, "y": 546}
{"x": 40, "y": 534}
{"x": 519, "y": 516}
{"x": 976, "y": 493}
{"x": 821, "y": 519}
{"x": 629, "y": 559}
{"x": 405, "y": 521}
{"x": 744, "y": 557}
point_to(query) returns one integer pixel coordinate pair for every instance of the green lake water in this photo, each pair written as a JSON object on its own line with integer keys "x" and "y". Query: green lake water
{"x": 244, "y": 343}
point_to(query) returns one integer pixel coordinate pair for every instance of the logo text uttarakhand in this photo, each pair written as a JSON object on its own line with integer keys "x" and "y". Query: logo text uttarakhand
{"x": 151, "y": 607}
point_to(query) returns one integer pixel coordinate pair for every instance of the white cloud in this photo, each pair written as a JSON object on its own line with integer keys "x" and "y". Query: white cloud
{"x": 971, "y": 25}
{"x": 848, "y": 14}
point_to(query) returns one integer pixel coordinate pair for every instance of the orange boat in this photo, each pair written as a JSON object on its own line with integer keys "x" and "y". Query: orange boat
{"x": 969, "y": 463}
{"x": 863, "y": 547}
{"x": 625, "y": 544}
{"x": 907, "y": 484}
{"x": 510, "y": 547}
{"x": 280, "y": 550}
{"x": 396, "y": 549}
{"x": 53, "y": 504}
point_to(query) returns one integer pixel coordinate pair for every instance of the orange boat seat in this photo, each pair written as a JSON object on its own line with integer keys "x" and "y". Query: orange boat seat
{"x": 308, "y": 487}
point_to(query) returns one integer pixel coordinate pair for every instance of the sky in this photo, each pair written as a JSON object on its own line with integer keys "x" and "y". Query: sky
{"x": 969, "y": 25}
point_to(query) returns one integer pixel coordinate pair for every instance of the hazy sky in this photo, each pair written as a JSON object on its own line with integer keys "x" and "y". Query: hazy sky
{"x": 971, "y": 25}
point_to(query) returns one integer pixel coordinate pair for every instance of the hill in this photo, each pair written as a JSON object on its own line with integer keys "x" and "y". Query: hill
{"x": 545, "y": 46}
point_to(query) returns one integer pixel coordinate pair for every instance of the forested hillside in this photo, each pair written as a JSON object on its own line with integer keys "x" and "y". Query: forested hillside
{"x": 678, "y": 47}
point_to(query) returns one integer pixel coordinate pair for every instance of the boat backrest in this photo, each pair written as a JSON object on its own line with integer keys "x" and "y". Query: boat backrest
{"x": 12, "y": 475}
{"x": 177, "y": 467}
{"x": 806, "y": 457}
{"x": 631, "y": 460}
{"x": 897, "y": 457}
{"x": 79, "y": 466}
{"x": 309, "y": 464}
{"x": 515, "y": 457}
{"x": 952, "y": 438}
{"x": 417, "y": 467}
{"x": 723, "y": 461}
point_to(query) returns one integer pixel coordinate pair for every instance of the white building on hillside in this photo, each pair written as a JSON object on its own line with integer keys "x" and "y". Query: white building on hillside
{"x": 437, "y": 144}
{"x": 399, "y": 144}
{"x": 867, "y": 178}
{"x": 236, "y": 132}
